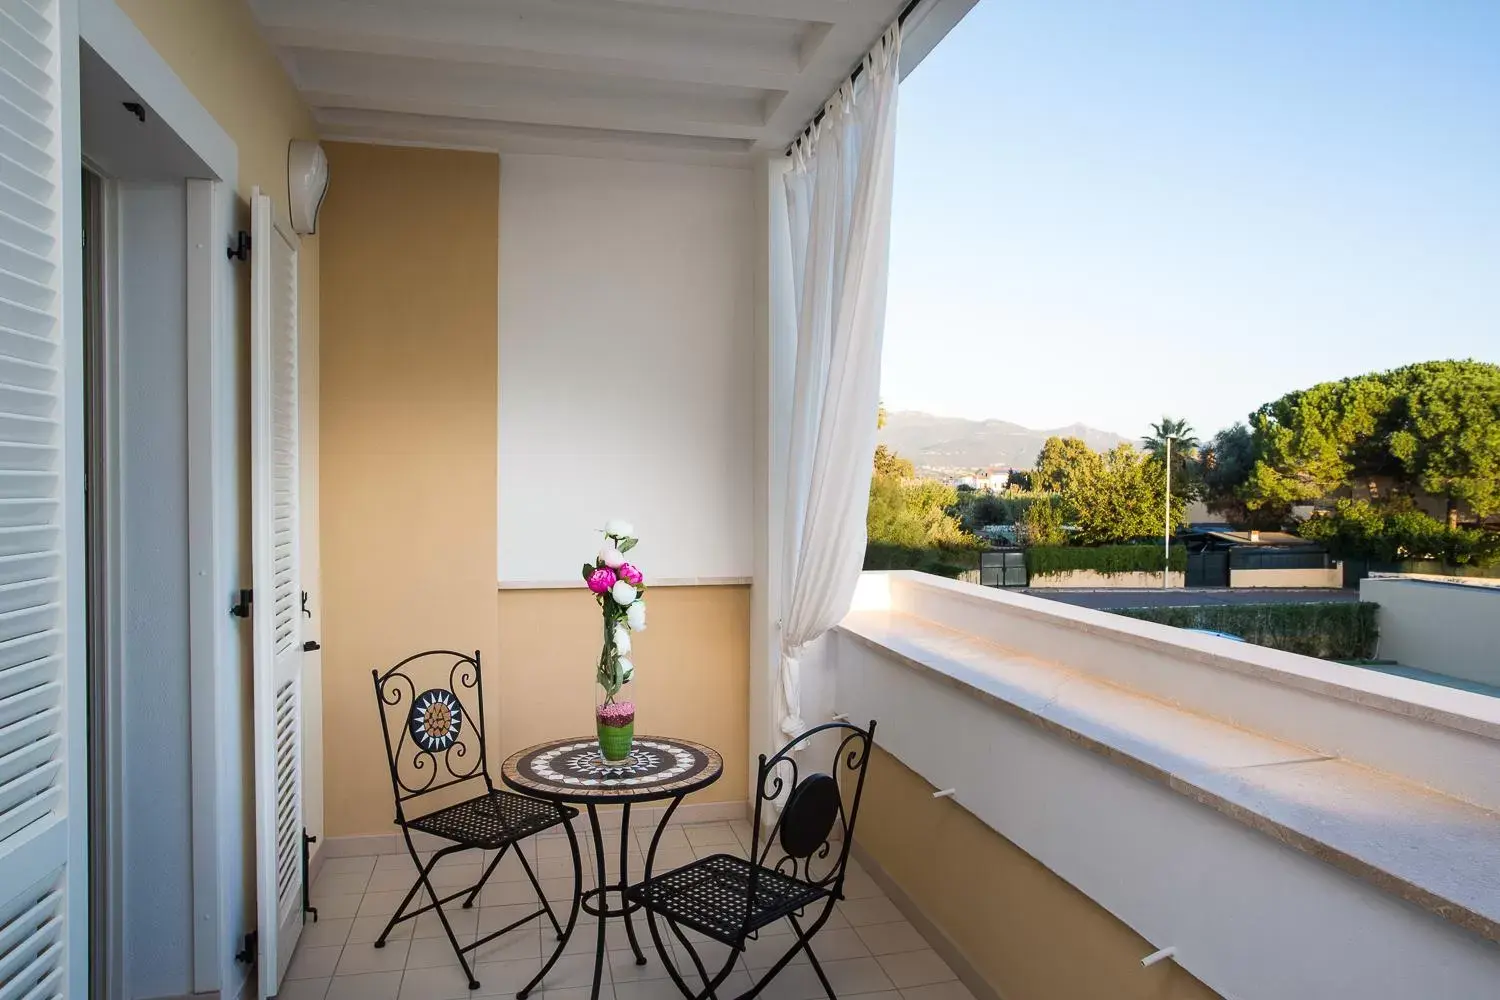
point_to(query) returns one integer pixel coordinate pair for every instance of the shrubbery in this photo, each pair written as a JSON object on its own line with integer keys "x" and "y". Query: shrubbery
{"x": 1392, "y": 532}
{"x": 1331, "y": 630}
{"x": 1051, "y": 560}
{"x": 939, "y": 562}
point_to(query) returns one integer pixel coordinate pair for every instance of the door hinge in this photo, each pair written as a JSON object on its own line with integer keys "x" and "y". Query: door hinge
{"x": 311, "y": 646}
{"x": 240, "y": 248}
{"x": 242, "y": 609}
{"x": 249, "y": 953}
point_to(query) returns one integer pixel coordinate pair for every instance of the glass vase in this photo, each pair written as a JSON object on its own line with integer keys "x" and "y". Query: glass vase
{"x": 614, "y": 718}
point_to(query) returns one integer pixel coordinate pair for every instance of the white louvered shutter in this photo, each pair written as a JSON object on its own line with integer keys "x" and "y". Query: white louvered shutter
{"x": 40, "y": 933}
{"x": 277, "y": 605}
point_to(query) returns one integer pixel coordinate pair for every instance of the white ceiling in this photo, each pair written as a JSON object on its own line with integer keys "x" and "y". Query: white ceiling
{"x": 700, "y": 80}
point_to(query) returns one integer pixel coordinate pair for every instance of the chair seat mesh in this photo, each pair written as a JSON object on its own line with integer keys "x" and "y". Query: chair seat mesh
{"x": 492, "y": 820}
{"x": 712, "y": 896}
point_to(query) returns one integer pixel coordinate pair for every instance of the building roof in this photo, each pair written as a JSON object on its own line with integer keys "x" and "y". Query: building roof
{"x": 1261, "y": 537}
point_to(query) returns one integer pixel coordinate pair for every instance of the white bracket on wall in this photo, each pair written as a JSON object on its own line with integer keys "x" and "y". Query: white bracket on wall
{"x": 946, "y": 793}
{"x": 1158, "y": 956}
{"x": 840, "y": 717}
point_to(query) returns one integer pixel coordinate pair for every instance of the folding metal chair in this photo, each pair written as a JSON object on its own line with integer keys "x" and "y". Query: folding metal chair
{"x": 795, "y": 871}
{"x": 432, "y": 715}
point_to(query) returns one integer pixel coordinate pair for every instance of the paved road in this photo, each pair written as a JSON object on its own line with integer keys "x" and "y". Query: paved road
{"x": 1107, "y": 599}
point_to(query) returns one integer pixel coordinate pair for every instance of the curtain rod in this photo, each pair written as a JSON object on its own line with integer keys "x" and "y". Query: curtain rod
{"x": 859, "y": 68}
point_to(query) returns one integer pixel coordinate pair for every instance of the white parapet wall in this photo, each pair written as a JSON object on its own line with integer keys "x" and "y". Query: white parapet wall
{"x": 1088, "y": 579}
{"x": 1450, "y": 626}
{"x": 1294, "y": 829}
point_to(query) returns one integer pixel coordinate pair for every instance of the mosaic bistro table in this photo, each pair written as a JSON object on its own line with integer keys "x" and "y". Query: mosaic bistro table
{"x": 573, "y": 771}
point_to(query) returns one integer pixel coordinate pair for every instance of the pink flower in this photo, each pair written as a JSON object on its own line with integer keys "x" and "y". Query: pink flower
{"x": 630, "y": 574}
{"x": 601, "y": 579}
{"x": 617, "y": 714}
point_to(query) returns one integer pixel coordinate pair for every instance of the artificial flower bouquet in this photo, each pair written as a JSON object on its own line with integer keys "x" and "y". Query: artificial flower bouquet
{"x": 620, "y": 589}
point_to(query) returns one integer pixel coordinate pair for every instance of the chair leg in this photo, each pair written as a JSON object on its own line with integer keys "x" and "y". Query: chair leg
{"x": 567, "y": 932}
{"x": 803, "y": 943}
{"x": 806, "y": 943}
{"x": 469, "y": 900}
{"x": 424, "y": 881}
{"x": 535, "y": 884}
{"x": 709, "y": 985}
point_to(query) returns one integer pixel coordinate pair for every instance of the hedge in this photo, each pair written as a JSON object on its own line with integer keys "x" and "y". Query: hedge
{"x": 1332, "y": 630}
{"x": 939, "y": 562}
{"x": 1050, "y": 560}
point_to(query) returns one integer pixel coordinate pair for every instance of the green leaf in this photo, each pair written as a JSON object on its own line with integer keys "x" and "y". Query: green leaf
{"x": 626, "y": 544}
{"x": 588, "y": 570}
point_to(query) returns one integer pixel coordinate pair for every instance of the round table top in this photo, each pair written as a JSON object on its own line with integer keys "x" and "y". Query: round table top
{"x": 573, "y": 770}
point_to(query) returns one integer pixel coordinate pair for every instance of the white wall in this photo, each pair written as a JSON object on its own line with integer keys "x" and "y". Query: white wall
{"x": 1448, "y": 628}
{"x": 153, "y": 533}
{"x": 626, "y": 325}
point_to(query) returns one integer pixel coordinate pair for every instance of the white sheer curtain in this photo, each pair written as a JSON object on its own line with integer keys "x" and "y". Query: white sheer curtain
{"x": 839, "y": 216}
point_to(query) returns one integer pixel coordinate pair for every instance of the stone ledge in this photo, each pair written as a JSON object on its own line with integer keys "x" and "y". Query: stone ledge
{"x": 1434, "y": 851}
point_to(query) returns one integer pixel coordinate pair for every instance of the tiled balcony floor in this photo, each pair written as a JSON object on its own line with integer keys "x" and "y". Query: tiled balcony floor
{"x": 866, "y": 948}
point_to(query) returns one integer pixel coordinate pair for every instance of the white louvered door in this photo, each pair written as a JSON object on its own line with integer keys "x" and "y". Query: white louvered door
{"x": 43, "y": 879}
{"x": 277, "y": 606}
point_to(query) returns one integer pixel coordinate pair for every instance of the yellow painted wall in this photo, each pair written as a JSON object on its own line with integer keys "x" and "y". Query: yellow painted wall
{"x": 409, "y": 479}
{"x": 1028, "y": 933}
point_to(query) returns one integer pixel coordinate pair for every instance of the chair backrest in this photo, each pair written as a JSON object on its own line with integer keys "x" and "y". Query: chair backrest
{"x": 432, "y": 716}
{"x": 812, "y": 834}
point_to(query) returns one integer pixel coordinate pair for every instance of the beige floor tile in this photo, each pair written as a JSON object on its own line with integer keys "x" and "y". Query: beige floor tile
{"x": 560, "y": 889}
{"x": 339, "y": 907}
{"x": 558, "y": 868}
{"x": 838, "y": 944}
{"x": 366, "y": 929}
{"x": 505, "y": 977}
{"x": 886, "y": 995}
{"x": 324, "y": 932}
{"x": 668, "y": 858}
{"x": 361, "y": 958}
{"x": 858, "y": 885}
{"x": 395, "y": 862}
{"x": 492, "y": 918}
{"x": 586, "y": 936}
{"x": 378, "y": 904}
{"x": 362, "y": 864}
{"x": 511, "y": 893}
{"x": 650, "y": 989}
{"x": 711, "y": 834}
{"x": 524, "y": 942}
{"x": 857, "y": 975}
{"x": 578, "y": 993}
{"x": 365, "y": 986}
{"x": 888, "y": 939}
{"x": 432, "y": 953}
{"x": 671, "y": 837}
{"x": 464, "y": 922}
{"x": 391, "y": 879}
{"x": 623, "y": 967}
{"x": 862, "y": 912}
{"x": 329, "y": 884}
{"x": 910, "y": 969}
{"x": 440, "y": 983}
{"x": 303, "y": 989}
{"x": 570, "y": 971}
{"x": 953, "y": 990}
{"x": 767, "y": 951}
{"x": 795, "y": 982}
{"x": 557, "y": 847}
{"x": 314, "y": 963}
{"x": 455, "y": 876}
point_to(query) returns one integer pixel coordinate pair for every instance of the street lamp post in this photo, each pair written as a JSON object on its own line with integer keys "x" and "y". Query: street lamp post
{"x": 1166, "y": 568}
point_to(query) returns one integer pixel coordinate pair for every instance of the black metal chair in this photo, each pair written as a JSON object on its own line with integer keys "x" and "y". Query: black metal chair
{"x": 795, "y": 872}
{"x": 436, "y": 702}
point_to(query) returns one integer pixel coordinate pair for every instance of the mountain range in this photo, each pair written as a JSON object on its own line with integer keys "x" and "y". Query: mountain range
{"x": 934, "y": 443}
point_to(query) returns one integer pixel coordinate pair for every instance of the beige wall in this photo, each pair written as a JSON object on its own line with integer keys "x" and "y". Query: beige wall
{"x": 1029, "y": 934}
{"x": 409, "y": 478}
{"x": 1331, "y": 576}
{"x": 215, "y": 48}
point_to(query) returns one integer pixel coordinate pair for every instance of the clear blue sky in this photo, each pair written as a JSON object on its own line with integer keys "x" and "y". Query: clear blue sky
{"x": 1108, "y": 209}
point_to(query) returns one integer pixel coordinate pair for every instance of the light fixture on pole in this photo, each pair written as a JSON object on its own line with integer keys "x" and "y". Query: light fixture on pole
{"x": 1166, "y": 569}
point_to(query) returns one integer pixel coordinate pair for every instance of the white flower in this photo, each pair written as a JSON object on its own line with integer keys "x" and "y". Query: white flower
{"x": 635, "y": 616}
{"x": 617, "y": 528}
{"x": 622, "y": 639}
{"x": 627, "y": 670}
{"x": 623, "y": 593}
{"x": 611, "y": 556}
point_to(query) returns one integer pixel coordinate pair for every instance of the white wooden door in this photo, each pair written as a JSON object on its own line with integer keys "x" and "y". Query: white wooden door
{"x": 276, "y": 607}
{"x": 43, "y": 800}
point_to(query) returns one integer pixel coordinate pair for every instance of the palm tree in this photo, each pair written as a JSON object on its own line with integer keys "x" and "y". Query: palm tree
{"x": 1184, "y": 439}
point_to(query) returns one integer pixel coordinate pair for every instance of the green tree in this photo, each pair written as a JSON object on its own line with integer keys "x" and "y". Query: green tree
{"x": 1043, "y": 521}
{"x": 1433, "y": 426}
{"x": 1396, "y": 530}
{"x": 1062, "y": 460}
{"x": 1224, "y": 466}
{"x": 1122, "y": 499}
{"x": 911, "y": 512}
